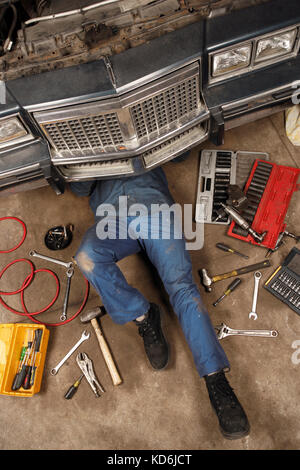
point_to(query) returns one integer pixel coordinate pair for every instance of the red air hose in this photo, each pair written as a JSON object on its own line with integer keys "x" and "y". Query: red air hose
{"x": 28, "y": 281}
{"x": 23, "y": 236}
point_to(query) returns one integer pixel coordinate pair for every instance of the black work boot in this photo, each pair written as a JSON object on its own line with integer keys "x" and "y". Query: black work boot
{"x": 155, "y": 343}
{"x": 232, "y": 418}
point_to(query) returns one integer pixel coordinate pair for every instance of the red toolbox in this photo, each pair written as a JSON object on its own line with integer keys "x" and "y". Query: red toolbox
{"x": 269, "y": 190}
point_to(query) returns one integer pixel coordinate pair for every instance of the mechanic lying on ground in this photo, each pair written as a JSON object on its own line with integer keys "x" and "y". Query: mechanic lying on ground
{"x": 97, "y": 257}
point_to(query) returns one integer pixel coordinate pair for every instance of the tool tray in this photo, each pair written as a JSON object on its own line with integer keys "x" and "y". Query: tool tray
{"x": 219, "y": 169}
{"x": 269, "y": 190}
{"x": 285, "y": 281}
{"x": 13, "y": 337}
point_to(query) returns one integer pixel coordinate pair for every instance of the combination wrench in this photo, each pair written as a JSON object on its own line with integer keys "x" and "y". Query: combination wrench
{"x": 257, "y": 277}
{"x": 83, "y": 338}
{"x": 52, "y": 260}
{"x": 224, "y": 330}
{"x": 70, "y": 273}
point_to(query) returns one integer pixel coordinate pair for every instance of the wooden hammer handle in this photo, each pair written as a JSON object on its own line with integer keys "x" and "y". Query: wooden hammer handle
{"x": 115, "y": 376}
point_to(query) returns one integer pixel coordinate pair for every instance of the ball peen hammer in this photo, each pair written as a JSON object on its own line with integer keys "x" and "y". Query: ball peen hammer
{"x": 93, "y": 316}
{"x": 207, "y": 280}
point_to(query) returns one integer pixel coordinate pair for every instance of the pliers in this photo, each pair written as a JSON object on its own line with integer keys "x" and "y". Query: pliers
{"x": 86, "y": 366}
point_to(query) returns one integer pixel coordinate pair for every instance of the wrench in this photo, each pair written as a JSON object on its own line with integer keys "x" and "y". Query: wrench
{"x": 224, "y": 330}
{"x": 70, "y": 273}
{"x": 53, "y": 260}
{"x": 257, "y": 276}
{"x": 84, "y": 337}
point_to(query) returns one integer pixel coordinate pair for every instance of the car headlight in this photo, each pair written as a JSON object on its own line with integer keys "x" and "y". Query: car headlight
{"x": 275, "y": 46}
{"x": 11, "y": 129}
{"x": 231, "y": 60}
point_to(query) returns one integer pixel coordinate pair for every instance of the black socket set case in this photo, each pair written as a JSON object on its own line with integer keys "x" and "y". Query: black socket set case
{"x": 285, "y": 281}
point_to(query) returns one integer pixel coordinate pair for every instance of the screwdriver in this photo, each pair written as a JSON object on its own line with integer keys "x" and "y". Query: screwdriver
{"x": 21, "y": 362}
{"x": 73, "y": 389}
{"x": 20, "y": 376}
{"x": 38, "y": 335}
{"x": 229, "y": 289}
{"x": 26, "y": 383}
{"x": 228, "y": 249}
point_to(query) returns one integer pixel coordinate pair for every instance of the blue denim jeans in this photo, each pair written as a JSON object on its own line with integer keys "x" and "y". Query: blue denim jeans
{"x": 97, "y": 260}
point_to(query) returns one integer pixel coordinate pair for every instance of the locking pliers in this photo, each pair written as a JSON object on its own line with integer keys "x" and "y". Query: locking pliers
{"x": 86, "y": 366}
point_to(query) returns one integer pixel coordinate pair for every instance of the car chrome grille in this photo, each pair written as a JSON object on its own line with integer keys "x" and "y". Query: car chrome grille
{"x": 165, "y": 108}
{"x": 121, "y": 124}
{"x": 88, "y": 133}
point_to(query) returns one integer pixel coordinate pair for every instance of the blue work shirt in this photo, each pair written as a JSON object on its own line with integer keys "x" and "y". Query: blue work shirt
{"x": 148, "y": 188}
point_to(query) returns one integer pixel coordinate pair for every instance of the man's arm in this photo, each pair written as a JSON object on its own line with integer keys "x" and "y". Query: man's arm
{"x": 83, "y": 188}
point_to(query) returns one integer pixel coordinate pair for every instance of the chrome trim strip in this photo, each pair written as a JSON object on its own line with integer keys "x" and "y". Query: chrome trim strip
{"x": 20, "y": 171}
{"x": 252, "y": 115}
{"x": 258, "y": 96}
{"x": 96, "y": 169}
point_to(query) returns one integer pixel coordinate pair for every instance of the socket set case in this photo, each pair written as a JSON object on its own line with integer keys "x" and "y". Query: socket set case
{"x": 218, "y": 169}
{"x": 269, "y": 190}
{"x": 13, "y": 337}
{"x": 285, "y": 281}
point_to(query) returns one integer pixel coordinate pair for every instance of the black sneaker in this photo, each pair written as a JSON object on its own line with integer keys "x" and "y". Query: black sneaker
{"x": 232, "y": 418}
{"x": 155, "y": 343}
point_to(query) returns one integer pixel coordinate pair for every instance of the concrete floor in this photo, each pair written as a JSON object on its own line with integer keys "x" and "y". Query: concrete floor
{"x": 155, "y": 410}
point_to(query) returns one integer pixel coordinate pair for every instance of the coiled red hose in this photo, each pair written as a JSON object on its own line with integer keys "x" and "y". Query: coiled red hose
{"x": 28, "y": 281}
{"x": 23, "y": 236}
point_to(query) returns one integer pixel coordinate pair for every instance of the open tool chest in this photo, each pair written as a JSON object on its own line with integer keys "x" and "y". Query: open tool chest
{"x": 217, "y": 170}
{"x": 269, "y": 190}
{"x": 22, "y": 345}
{"x": 285, "y": 281}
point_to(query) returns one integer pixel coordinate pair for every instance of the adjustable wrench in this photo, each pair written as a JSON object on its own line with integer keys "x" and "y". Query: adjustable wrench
{"x": 257, "y": 276}
{"x": 224, "y": 330}
{"x": 53, "y": 260}
{"x": 70, "y": 273}
{"x": 84, "y": 337}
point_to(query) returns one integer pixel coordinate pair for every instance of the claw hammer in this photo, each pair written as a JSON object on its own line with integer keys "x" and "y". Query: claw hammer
{"x": 93, "y": 316}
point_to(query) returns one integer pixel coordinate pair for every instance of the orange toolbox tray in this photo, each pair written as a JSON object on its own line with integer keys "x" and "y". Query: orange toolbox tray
{"x": 13, "y": 337}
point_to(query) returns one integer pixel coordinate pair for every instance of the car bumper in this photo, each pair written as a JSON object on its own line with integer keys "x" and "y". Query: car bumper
{"x": 28, "y": 167}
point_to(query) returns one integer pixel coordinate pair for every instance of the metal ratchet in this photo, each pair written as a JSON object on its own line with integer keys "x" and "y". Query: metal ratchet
{"x": 86, "y": 366}
{"x": 224, "y": 330}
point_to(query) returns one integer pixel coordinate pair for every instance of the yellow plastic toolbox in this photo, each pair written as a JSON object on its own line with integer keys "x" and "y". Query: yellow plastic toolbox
{"x": 23, "y": 348}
